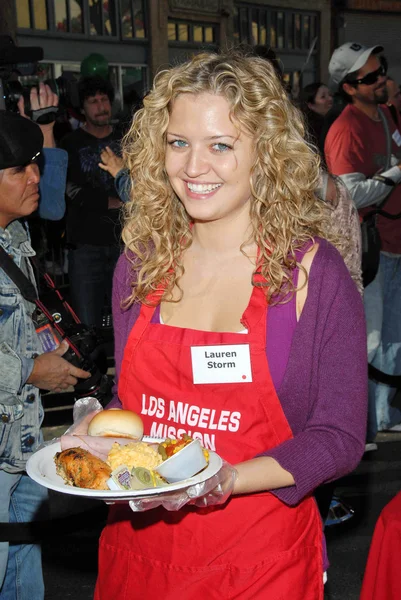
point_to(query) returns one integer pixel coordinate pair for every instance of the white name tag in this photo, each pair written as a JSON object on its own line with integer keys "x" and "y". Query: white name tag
{"x": 221, "y": 364}
{"x": 397, "y": 137}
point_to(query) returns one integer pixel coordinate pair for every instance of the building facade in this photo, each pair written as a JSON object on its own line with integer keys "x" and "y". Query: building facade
{"x": 139, "y": 37}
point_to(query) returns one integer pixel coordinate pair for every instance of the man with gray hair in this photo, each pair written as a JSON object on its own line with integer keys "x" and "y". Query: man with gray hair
{"x": 26, "y": 367}
{"x": 363, "y": 147}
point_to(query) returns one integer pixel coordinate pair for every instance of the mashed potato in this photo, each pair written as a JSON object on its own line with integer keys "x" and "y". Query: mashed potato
{"x": 137, "y": 454}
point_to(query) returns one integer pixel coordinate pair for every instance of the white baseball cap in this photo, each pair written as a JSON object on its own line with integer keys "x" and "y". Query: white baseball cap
{"x": 349, "y": 58}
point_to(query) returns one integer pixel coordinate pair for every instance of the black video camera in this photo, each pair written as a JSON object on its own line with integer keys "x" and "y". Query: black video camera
{"x": 16, "y": 61}
{"x": 55, "y": 321}
{"x": 90, "y": 357}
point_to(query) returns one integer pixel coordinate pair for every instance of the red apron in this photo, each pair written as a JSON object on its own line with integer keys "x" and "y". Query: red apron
{"x": 254, "y": 547}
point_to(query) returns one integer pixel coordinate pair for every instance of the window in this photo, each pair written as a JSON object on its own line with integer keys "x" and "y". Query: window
{"x": 102, "y": 17}
{"x": 208, "y": 35}
{"x": 198, "y": 33}
{"x": 134, "y": 84}
{"x": 32, "y": 15}
{"x": 306, "y": 31}
{"x": 236, "y": 25}
{"x": 130, "y": 84}
{"x": 290, "y": 31}
{"x": 129, "y": 81}
{"x": 40, "y": 14}
{"x": 60, "y": 12}
{"x": 23, "y": 14}
{"x": 85, "y": 17}
{"x": 127, "y": 29}
{"x": 76, "y": 21}
{"x": 255, "y": 27}
{"x": 139, "y": 20}
{"x": 243, "y": 24}
{"x": 292, "y": 83}
{"x": 133, "y": 16}
{"x": 191, "y": 33}
{"x": 183, "y": 35}
{"x": 280, "y": 29}
{"x": 172, "y": 31}
{"x": 262, "y": 28}
{"x": 273, "y": 30}
{"x": 298, "y": 32}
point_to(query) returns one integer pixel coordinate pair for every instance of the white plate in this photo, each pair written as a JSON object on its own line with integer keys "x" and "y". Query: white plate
{"x": 41, "y": 468}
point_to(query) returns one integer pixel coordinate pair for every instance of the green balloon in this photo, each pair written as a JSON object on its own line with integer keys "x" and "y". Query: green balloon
{"x": 95, "y": 64}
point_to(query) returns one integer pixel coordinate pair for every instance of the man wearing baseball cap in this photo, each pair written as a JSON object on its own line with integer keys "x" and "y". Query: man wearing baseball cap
{"x": 363, "y": 147}
{"x": 25, "y": 368}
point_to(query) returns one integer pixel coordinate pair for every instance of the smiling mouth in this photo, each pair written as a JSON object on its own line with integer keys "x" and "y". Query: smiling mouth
{"x": 203, "y": 188}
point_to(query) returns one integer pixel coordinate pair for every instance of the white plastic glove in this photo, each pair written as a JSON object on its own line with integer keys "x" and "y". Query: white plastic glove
{"x": 83, "y": 412}
{"x": 211, "y": 492}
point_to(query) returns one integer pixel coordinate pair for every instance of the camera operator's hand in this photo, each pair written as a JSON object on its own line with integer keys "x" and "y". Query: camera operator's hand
{"x": 110, "y": 161}
{"x": 43, "y": 101}
{"x": 52, "y": 372}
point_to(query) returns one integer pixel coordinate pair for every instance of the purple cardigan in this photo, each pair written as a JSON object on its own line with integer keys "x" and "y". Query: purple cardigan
{"x": 323, "y": 384}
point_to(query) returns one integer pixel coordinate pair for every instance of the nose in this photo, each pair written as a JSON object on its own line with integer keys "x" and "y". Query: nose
{"x": 197, "y": 163}
{"x": 33, "y": 173}
{"x": 381, "y": 81}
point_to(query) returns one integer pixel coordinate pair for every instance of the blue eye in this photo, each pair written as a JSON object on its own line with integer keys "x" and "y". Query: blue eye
{"x": 220, "y": 147}
{"x": 178, "y": 143}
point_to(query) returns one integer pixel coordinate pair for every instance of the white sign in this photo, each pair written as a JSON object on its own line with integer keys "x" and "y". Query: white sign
{"x": 229, "y": 363}
{"x": 397, "y": 137}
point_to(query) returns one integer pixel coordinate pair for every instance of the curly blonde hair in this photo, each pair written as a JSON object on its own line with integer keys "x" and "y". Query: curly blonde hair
{"x": 284, "y": 211}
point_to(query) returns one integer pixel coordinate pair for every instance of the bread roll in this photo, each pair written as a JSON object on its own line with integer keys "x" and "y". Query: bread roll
{"x": 116, "y": 423}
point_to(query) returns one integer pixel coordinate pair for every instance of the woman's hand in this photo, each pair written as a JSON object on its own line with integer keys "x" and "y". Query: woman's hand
{"x": 215, "y": 490}
{"x": 261, "y": 474}
{"x": 110, "y": 162}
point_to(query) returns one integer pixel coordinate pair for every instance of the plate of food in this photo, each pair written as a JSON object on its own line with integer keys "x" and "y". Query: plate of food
{"x": 118, "y": 469}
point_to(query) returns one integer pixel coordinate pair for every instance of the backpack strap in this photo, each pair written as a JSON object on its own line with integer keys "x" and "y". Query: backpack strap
{"x": 22, "y": 282}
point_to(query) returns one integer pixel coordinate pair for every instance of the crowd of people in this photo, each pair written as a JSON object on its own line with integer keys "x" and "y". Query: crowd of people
{"x": 227, "y": 216}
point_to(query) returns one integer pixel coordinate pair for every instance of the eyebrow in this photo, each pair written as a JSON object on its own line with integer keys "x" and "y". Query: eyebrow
{"x": 212, "y": 137}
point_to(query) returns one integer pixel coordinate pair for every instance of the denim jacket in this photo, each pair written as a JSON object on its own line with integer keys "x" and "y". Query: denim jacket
{"x": 122, "y": 183}
{"x": 54, "y": 162}
{"x": 21, "y": 411}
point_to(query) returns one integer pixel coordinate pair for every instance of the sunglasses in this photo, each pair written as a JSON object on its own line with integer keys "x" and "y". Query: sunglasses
{"x": 370, "y": 78}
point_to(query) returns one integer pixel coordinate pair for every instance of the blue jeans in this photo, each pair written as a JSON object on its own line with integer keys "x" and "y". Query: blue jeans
{"x": 21, "y": 501}
{"x": 382, "y": 299}
{"x": 90, "y": 270}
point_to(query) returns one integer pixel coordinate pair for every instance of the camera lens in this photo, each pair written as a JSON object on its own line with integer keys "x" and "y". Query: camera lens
{"x": 11, "y": 92}
{"x": 98, "y": 385}
{"x": 84, "y": 386}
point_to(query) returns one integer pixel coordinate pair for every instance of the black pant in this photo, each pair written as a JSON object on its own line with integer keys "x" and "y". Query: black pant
{"x": 90, "y": 270}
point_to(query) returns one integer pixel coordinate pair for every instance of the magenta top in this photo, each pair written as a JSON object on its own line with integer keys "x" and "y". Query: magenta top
{"x": 318, "y": 366}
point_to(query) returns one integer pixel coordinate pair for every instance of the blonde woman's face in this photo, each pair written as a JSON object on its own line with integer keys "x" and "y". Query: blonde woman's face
{"x": 208, "y": 160}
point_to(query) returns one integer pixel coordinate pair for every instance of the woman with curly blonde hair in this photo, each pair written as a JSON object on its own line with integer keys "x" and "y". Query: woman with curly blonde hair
{"x": 237, "y": 324}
